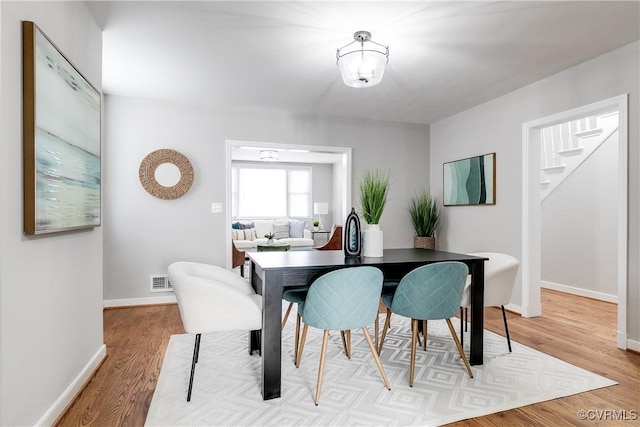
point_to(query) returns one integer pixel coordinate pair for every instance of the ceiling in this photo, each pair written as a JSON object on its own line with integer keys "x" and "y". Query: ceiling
{"x": 445, "y": 57}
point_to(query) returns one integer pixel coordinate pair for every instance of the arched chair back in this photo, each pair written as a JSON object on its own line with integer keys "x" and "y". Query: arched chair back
{"x": 500, "y": 272}
{"x": 430, "y": 292}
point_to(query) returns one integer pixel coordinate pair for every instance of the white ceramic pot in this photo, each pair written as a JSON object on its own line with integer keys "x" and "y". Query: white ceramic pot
{"x": 372, "y": 241}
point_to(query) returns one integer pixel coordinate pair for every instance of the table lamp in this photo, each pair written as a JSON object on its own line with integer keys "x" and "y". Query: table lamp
{"x": 320, "y": 208}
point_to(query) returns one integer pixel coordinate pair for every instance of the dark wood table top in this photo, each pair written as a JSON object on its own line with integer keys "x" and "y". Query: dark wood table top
{"x": 312, "y": 258}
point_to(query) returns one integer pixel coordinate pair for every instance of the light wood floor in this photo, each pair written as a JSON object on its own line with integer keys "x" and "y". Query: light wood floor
{"x": 578, "y": 330}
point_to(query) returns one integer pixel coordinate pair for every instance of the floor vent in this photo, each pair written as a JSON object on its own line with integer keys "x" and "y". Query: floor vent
{"x": 160, "y": 283}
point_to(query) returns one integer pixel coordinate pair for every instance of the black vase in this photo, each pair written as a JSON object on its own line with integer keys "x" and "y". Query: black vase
{"x": 352, "y": 235}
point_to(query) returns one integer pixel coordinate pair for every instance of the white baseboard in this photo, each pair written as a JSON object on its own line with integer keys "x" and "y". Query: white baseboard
{"x": 74, "y": 388}
{"x": 127, "y": 302}
{"x": 633, "y": 345}
{"x": 580, "y": 292}
{"x": 514, "y": 308}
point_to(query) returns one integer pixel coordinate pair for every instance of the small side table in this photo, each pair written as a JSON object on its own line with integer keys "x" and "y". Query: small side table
{"x": 273, "y": 247}
{"x": 326, "y": 235}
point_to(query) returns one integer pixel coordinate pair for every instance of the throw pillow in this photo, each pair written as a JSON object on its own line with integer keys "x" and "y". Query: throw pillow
{"x": 296, "y": 229}
{"x": 281, "y": 231}
{"x": 249, "y": 234}
{"x": 246, "y": 226}
{"x": 235, "y": 226}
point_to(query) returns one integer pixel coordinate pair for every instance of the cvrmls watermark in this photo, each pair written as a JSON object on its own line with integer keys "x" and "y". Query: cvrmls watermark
{"x": 608, "y": 414}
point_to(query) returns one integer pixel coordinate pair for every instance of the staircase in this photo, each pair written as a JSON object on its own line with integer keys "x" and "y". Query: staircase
{"x": 566, "y": 146}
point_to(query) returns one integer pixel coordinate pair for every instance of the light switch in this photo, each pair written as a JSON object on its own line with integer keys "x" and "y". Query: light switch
{"x": 216, "y": 207}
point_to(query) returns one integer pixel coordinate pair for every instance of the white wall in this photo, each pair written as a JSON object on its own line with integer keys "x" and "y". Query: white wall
{"x": 323, "y": 191}
{"x": 143, "y": 235}
{"x": 579, "y": 228}
{"x": 50, "y": 286}
{"x": 496, "y": 126}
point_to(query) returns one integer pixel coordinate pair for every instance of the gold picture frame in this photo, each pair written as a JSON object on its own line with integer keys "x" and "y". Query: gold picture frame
{"x": 61, "y": 140}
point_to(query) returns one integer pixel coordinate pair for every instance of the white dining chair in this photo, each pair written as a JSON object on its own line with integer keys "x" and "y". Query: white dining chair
{"x": 499, "y": 278}
{"x": 212, "y": 299}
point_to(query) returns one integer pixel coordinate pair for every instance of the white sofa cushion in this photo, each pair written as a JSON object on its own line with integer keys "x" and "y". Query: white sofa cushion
{"x": 263, "y": 226}
{"x": 297, "y": 242}
{"x": 296, "y": 229}
{"x": 281, "y": 231}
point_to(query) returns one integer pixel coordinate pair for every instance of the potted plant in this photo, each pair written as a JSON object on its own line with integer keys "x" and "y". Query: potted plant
{"x": 269, "y": 237}
{"x": 316, "y": 224}
{"x": 424, "y": 213}
{"x": 374, "y": 188}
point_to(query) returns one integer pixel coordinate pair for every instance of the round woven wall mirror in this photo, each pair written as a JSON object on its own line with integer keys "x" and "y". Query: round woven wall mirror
{"x": 161, "y": 157}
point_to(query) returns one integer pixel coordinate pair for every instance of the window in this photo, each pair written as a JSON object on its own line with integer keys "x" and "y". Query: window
{"x": 270, "y": 191}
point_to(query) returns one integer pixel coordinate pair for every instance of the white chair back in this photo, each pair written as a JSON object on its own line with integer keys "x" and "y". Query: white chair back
{"x": 499, "y": 278}
{"x": 211, "y": 299}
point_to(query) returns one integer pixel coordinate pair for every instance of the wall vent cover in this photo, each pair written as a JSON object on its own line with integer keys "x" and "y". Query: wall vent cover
{"x": 160, "y": 283}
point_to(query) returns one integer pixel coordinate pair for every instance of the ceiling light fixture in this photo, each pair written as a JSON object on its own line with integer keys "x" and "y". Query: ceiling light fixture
{"x": 269, "y": 155}
{"x": 362, "y": 61}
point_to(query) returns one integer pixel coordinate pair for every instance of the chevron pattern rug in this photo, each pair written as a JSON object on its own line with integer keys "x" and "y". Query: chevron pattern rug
{"x": 227, "y": 390}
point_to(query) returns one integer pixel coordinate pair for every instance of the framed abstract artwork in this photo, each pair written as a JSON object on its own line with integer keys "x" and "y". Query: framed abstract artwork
{"x": 61, "y": 140}
{"x": 470, "y": 181}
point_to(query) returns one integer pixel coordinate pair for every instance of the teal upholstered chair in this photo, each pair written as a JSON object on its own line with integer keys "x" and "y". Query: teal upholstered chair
{"x": 294, "y": 296}
{"x": 430, "y": 292}
{"x": 342, "y": 300}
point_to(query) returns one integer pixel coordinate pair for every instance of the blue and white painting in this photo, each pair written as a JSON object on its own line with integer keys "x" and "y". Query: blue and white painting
{"x": 470, "y": 181}
{"x": 67, "y": 143}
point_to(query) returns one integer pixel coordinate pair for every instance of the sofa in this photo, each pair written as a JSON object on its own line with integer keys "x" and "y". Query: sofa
{"x": 247, "y": 235}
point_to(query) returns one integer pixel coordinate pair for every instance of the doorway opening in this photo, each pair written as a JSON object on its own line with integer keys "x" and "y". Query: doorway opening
{"x": 532, "y": 191}
{"x": 336, "y": 195}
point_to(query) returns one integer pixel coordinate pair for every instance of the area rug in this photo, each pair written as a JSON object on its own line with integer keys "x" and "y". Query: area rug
{"x": 227, "y": 390}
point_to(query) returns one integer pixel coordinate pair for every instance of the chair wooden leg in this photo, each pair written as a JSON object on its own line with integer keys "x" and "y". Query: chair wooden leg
{"x": 323, "y": 353}
{"x": 506, "y": 328}
{"x": 196, "y": 351}
{"x": 418, "y": 336}
{"x": 376, "y": 358}
{"x": 462, "y": 355}
{"x": 349, "y": 342}
{"x": 414, "y": 338}
{"x": 302, "y": 340}
{"x": 384, "y": 330}
{"x": 377, "y": 329}
{"x": 297, "y": 336}
{"x": 286, "y": 315}
{"x": 424, "y": 335}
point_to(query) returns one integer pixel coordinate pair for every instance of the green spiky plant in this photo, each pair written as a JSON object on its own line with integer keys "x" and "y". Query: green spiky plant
{"x": 374, "y": 188}
{"x": 424, "y": 212}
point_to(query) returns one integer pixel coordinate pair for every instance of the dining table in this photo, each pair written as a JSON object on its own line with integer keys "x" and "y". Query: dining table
{"x": 274, "y": 272}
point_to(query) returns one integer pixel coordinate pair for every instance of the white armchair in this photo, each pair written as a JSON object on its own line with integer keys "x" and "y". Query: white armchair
{"x": 212, "y": 299}
{"x": 499, "y": 277}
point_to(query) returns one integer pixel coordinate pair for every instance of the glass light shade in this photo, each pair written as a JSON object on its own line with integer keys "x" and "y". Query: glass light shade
{"x": 362, "y": 61}
{"x": 362, "y": 68}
